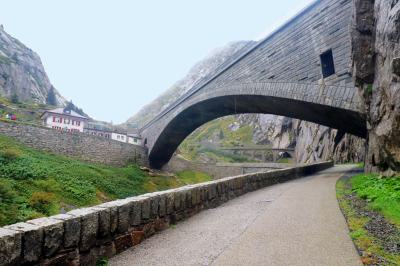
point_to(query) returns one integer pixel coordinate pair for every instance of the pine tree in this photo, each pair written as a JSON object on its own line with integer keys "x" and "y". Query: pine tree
{"x": 51, "y": 97}
{"x": 14, "y": 98}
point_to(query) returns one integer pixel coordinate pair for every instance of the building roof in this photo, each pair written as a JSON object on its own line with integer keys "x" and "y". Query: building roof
{"x": 98, "y": 126}
{"x": 134, "y": 135}
{"x": 63, "y": 111}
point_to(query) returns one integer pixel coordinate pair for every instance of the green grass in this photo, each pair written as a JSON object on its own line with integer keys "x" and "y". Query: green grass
{"x": 35, "y": 184}
{"x": 374, "y": 190}
{"x": 192, "y": 177}
{"x": 26, "y": 112}
{"x": 383, "y": 194}
{"x": 218, "y": 129}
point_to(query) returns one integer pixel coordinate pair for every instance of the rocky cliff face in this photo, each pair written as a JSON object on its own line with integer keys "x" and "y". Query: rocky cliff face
{"x": 22, "y": 72}
{"x": 312, "y": 142}
{"x": 376, "y": 53}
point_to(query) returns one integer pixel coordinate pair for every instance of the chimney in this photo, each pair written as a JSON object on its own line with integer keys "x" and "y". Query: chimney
{"x": 1, "y": 27}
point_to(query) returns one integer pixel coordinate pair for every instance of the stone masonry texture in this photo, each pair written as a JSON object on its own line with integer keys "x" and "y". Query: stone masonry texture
{"x": 280, "y": 75}
{"x": 83, "y": 236}
{"x": 80, "y": 146}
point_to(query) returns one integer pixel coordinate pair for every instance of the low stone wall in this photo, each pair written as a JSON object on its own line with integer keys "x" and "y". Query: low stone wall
{"x": 77, "y": 145}
{"x": 82, "y": 236}
{"x": 221, "y": 170}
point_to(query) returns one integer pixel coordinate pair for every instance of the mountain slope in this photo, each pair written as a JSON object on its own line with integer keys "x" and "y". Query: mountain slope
{"x": 22, "y": 73}
{"x": 200, "y": 71}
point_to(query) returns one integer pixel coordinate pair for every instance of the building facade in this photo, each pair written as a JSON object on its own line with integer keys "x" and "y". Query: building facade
{"x": 134, "y": 139}
{"x": 64, "y": 120}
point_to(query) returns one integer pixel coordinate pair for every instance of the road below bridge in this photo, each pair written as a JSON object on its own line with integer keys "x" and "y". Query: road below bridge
{"x": 295, "y": 223}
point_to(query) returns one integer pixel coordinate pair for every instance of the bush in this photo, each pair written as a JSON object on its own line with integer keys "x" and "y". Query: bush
{"x": 10, "y": 154}
{"x": 43, "y": 202}
{"x": 15, "y": 99}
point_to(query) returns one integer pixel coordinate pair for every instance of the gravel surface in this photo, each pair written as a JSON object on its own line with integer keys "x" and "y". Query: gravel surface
{"x": 295, "y": 223}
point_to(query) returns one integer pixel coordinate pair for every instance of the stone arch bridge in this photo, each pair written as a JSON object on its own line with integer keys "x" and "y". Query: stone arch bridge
{"x": 302, "y": 70}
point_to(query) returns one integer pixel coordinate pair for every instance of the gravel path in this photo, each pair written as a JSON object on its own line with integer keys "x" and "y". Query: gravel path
{"x": 295, "y": 223}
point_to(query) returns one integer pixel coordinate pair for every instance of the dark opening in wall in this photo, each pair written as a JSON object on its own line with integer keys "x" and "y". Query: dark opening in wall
{"x": 327, "y": 64}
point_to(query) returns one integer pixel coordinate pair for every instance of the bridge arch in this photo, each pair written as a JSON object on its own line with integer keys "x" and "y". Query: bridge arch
{"x": 180, "y": 123}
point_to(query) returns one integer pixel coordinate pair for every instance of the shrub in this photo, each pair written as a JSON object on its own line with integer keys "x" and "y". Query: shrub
{"x": 43, "y": 202}
{"x": 15, "y": 99}
{"x": 10, "y": 154}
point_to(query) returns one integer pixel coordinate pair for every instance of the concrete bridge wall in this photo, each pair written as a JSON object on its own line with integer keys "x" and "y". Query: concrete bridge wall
{"x": 280, "y": 75}
{"x": 82, "y": 236}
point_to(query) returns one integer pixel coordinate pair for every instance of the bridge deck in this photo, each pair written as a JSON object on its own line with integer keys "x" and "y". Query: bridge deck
{"x": 296, "y": 223}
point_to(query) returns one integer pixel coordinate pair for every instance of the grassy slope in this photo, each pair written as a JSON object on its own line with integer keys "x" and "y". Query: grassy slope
{"x": 383, "y": 196}
{"x": 191, "y": 148}
{"x": 25, "y": 112}
{"x": 35, "y": 184}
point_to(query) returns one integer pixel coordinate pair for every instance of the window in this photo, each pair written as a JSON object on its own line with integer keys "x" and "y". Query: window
{"x": 327, "y": 64}
{"x": 73, "y": 122}
{"x": 78, "y": 123}
{"x": 66, "y": 121}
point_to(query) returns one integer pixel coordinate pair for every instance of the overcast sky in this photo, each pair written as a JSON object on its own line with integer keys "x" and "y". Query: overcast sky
{"x": 111, "y": 57}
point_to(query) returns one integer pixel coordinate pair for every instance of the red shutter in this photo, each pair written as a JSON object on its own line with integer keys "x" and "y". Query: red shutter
{"x": 54, "y": 119}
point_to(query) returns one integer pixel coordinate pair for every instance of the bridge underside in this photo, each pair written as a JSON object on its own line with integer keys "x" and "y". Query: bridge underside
{"x": 184, "y": 123}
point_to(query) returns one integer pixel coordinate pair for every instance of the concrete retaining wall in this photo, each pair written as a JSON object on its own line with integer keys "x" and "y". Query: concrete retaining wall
{"x": 82, "y": 236}
{"x": 77, "y": 145}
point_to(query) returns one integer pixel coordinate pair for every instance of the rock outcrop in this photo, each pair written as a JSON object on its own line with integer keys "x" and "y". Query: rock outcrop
{"x": 376, "y": 53}
{"x": 22, "y": 73}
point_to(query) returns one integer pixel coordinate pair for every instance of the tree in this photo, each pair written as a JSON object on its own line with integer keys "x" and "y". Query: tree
{"x": 14, "y": 98}
{"x": 72, "y": 107}
{"x": 51, "y": 97}
{"x": 221, "y": 135}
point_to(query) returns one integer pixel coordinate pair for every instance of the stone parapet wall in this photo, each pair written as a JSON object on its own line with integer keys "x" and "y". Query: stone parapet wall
{"x": 77, "y": 145}
{"x": 220, "y": 170}
{"x": 82, "y": 236}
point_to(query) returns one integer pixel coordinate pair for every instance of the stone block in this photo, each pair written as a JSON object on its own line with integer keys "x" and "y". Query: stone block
{"x": 138, "y": 237}
{"x": 149, "y": 229}
{"x": 161, "y": 224}
{"x": 123, "y": 218}
{"x": 162, "y": 205}
{"x": 89, "y": 226}
{"x": 145, "y": 203}
{"x": 154, "y": 203}
{"x": 32, "y": 239}
{"x": 53, "y": 234}
{"x": 178, "y": 200}
{"x": 72, "y": 229}
{"x": 10, "y": 247}
{"x": 135, "y": 213}
{"x": 66, "y": 258}
{"x": 170, "y": 203}
{"x": 104, "y": 222}
{"x": 123, "y": 242}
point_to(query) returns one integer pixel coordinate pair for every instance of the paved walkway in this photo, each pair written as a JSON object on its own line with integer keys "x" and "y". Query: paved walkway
{"x": 296, "y": 223}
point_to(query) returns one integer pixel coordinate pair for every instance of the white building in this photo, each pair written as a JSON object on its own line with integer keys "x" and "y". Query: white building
{"x": 119, "y": 136}
{"x": 134, "y": 139}
{"x": 64, "y": 120}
